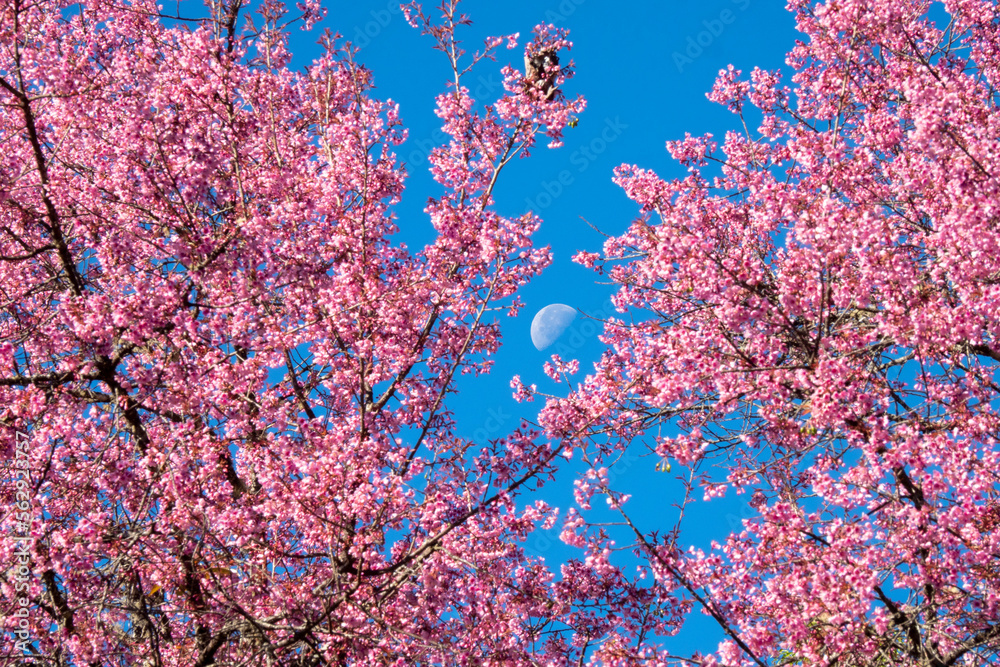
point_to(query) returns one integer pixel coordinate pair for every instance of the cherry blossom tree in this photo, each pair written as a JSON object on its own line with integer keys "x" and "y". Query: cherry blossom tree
{"x": 232, "y": 379}
{"x": 810, "y": 319}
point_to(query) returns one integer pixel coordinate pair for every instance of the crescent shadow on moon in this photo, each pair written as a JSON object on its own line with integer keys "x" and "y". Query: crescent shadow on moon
{"x": 549, "y": 323}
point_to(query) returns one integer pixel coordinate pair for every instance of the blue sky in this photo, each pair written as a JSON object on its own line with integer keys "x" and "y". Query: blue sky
{"x": 644, "y": 68}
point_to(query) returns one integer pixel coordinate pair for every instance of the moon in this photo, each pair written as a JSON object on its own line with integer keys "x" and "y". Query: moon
{"x": 549, "y": 323}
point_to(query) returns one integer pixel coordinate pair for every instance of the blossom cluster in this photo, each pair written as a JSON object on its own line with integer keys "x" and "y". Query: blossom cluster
{"x": 233, "y": 377}
{"x": 810, "y": 318}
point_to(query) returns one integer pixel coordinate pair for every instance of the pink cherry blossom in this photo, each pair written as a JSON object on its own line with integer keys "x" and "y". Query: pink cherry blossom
{"x": 232, "y": 376}
{"x": 810, "y": 320}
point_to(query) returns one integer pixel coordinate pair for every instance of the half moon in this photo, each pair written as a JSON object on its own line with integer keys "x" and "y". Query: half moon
{"x": 550, "y": 323}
